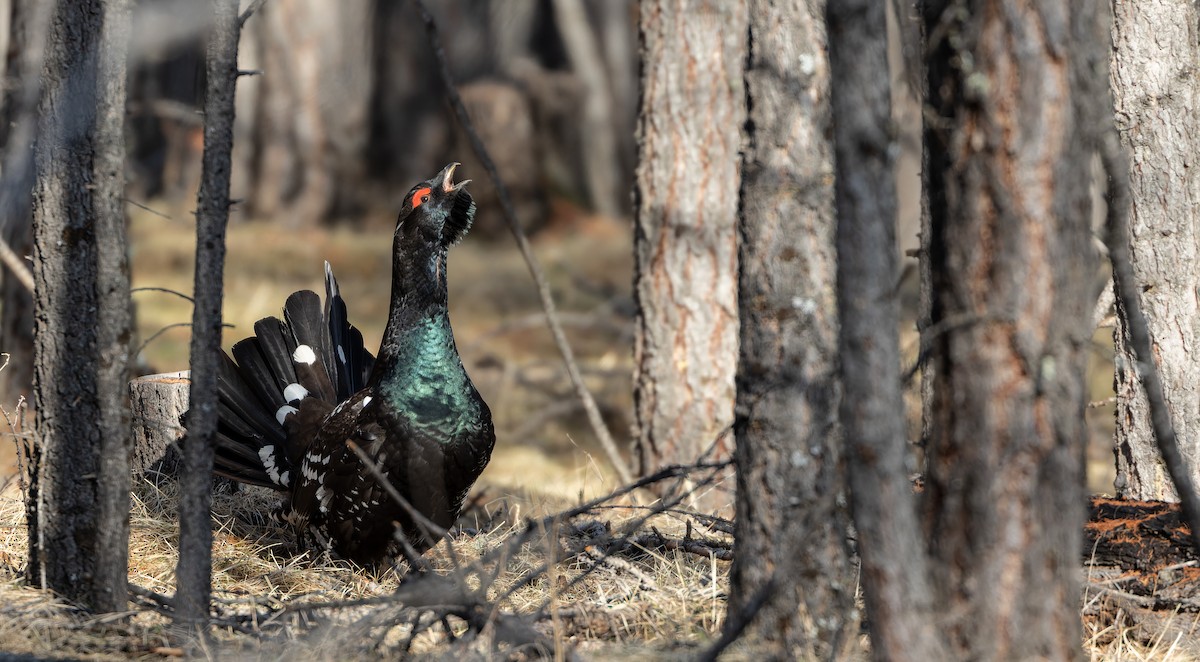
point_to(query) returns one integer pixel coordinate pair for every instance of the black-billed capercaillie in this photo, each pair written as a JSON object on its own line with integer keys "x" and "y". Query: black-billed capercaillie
{"x": 293, "y": 396}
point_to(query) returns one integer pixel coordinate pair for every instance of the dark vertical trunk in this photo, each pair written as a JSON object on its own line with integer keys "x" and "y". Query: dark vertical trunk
{"x": 1153, "y": 59}
{"x": 791, "y": 515}
{"x": 1012, "y": 263}
{"x": 194, "y": 570}
{"x": 114, "y": 330}
{"x": 895, "y": 568}
{"x": 80, "y": 527}
{"x": 685, "y": 244}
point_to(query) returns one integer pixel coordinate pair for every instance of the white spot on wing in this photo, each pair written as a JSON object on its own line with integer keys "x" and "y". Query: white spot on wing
{"x": 304, "y": 354}
{"x": 294, "y": 392}
{"x": 341, "y": 354}
{"x": 366, "y": 400}
{"x": 282, "y": 413}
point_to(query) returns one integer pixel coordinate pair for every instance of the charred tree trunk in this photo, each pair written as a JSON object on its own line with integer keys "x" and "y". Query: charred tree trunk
{"x": 685, "y": 244}
{"x": 895, "y": 568}
{"x": 194, "y": 570}
{"x": 1012, "y": 263}
{"x": 791, "y": 516}
{"x": 1156, "y": 98}
{"x": 80, "y": 527}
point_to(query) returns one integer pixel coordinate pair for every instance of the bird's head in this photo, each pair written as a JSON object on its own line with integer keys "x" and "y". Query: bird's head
{"x": 437, "y": 209}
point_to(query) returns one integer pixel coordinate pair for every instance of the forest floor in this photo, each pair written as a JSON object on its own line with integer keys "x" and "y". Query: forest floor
{"x": 611, "y": 583}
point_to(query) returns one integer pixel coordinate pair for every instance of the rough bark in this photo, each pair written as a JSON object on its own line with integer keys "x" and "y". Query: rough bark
{"x": 1012, "y": 262}
{"x": 685, "y": 248}
{"x": 194, "y": 570}
{"x": 114, "y": 312}
{"x": 791, "y": 516}
{"x": 895, "y": 569}
{"x": 81, "y": 352}
{"x": 1158, "y": 115}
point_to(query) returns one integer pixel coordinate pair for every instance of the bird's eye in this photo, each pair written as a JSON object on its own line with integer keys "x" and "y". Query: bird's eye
{"x": 419, "y": 197}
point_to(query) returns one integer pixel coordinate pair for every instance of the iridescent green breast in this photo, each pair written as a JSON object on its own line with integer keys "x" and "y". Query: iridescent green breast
{"x": 428, "y": 387}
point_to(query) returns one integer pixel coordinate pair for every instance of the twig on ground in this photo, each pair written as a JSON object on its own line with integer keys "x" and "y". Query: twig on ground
{"x": 539, "y": 277}
{"x": 1112, "y": 157}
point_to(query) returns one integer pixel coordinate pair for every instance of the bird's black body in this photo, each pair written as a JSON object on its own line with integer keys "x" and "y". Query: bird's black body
{"x": 304, "y": 388}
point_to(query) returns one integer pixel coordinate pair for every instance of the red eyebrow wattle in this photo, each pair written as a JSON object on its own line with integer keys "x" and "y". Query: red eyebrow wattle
{"x": 416, "y": 198}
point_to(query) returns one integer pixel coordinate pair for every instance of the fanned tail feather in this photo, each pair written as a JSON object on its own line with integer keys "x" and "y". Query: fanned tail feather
{"x": 352, "y": 361}
{"x": 280, "y": 384}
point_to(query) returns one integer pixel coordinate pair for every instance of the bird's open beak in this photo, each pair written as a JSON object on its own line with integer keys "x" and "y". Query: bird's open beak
{"x": 447, "y": 175}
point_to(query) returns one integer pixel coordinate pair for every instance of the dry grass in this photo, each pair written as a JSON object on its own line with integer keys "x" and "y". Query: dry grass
{"x": 273, "y": 599}
{"x": 639, "y": 604}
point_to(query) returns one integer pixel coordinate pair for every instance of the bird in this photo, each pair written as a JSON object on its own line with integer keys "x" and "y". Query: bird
{"x": 302, "y": 402}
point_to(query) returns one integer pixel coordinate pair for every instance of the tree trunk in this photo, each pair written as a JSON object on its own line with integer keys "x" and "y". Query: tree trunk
{"x": 599, "y": 148}
{"x": 81, "y": 353}
{"x": 791, "y": 516}
{"x": 194, "y": 569}
{"x": 895, "y": 568}
{"x": 1156, "y": 98}
{"x": 313, "y": 117}
{"x": 685, "y": 243}
{"x": 1012, "y": 263}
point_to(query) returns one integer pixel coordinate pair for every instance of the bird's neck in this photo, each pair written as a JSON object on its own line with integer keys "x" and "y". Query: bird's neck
{"x": 418, "y": 373}
{"x": 418, "y": 305}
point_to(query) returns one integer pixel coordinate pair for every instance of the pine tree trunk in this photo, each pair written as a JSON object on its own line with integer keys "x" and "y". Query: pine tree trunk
{"x": 791, "y": 516}
{"x": 81, "y": 519}
{"x": 685, "y": 235}
{"x": 1012, "y": 264}
{"x": 1157, "y": 102}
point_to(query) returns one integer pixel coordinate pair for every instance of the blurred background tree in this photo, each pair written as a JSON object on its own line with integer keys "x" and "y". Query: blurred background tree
{"x": 342, "y": 108}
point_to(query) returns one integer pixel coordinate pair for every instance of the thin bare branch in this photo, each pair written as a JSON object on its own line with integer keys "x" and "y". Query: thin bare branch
{"x": 254, "y": 7}
{"x": 16, "y": 266}
{"x": 165, "y": 289}
{"x": 539, "y": 277}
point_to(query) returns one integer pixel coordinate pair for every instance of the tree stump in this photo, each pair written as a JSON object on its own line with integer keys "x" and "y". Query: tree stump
{"x": 157, "y": 404}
